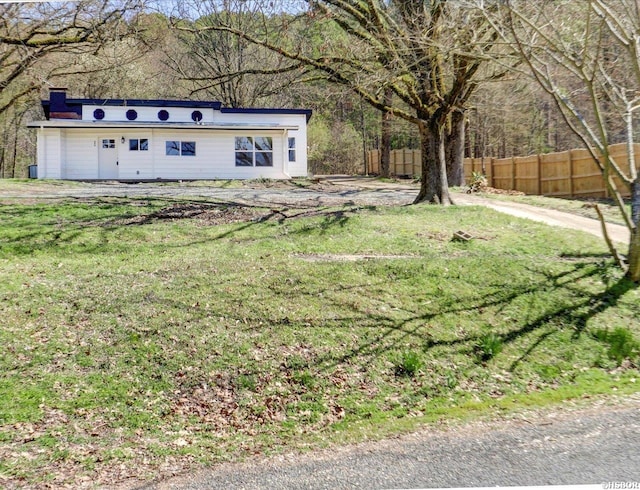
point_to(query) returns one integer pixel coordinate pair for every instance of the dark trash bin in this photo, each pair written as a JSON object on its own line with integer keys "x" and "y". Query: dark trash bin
{"x": 33, "y": 171}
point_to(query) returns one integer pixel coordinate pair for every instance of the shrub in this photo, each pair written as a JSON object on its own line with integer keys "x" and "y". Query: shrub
{"x": 489, "y": 346}
{"x": 478, "y": 183}
{"x": 335, "y": 148}
{"x": 408, "y": 364}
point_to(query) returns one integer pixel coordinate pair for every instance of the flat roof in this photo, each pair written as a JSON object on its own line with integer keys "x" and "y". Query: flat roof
{"x": 59, "y": 103}
{"x": 78, "y": 123}
{"x": 258, "y": 110}
{"x": 195, "y": 104}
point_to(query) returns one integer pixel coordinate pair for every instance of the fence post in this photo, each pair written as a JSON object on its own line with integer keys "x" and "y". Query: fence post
{"x": 392, "y": 162}
{"x": 513, "y": 173}
{"x": 539, "y": 176}
{"x": 571, "y": 172}
{"x": 491, "y": 166}
{"x": 404, "y": 161}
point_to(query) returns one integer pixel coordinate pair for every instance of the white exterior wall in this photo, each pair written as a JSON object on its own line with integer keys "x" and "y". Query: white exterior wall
{"x": 136, "y": 164}
{"x": 294, "y": 169}
{"x": 147, "y": 114}
{"x": 299, "y": 167}
{"x": 73, "y": 154}
{"x": 80, "y": 160}
{"x": 49, "y": 153}
{"x": 215, "y": 156}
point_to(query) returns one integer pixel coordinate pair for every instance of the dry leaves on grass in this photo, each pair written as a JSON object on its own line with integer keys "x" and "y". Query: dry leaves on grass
{"x": 204, "y": 214}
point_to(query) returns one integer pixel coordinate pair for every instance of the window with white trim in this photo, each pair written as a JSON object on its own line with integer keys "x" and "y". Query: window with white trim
{"x": 181, "y": 148}
{"x": 254, "y": 151}
{"x": 141, "y": 144}
{"x": 292, "y": 149}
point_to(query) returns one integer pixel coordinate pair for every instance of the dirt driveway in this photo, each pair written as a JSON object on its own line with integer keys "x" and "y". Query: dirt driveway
{"x": 324, "y": 191}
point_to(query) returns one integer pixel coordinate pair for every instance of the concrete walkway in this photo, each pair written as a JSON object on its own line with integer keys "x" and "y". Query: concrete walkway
{"x": 617, "y": 233}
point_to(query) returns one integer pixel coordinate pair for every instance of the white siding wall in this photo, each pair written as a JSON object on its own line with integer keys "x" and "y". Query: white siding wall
{"x": 283, "y": 119}
{"x": 49, "y": 153}
{"x": 147, "y": 114}
{"x": 80, "y": 158}
{"x": 137, "y": 164}
{"x": 72, "y": 153}
{"x": 215, "y": 156}
{"x": 297, "y": 168}
{"x": 42, "y": 154}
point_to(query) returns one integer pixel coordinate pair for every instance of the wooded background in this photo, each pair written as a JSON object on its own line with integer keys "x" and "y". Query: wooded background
{"x": 142, "y": 55}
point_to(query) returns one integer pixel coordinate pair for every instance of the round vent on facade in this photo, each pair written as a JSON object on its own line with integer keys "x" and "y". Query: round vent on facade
{"x": 163, "y": 115}
{"x": 132, "y": 115}
{"x": 98, "y": 114}
{"x": 196, "y": 116}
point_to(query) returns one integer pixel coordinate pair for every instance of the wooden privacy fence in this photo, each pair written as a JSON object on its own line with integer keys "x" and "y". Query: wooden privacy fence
{"x": 404, "y": 163}
{"x": 571, "y": 173}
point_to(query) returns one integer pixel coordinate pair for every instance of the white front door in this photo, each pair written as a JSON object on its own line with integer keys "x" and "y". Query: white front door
{"x": 108, "y": 158}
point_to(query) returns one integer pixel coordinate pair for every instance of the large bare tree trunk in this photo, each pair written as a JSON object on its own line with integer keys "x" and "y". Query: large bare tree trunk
{"x": 434, "y": 187}
{"x": 385, "y": 129}
{"x": 455, "y": 149}
{"x": 633, "y": 272}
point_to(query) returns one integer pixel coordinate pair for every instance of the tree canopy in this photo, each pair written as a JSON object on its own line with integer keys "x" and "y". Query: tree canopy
{"x": 427, "y": 54}
{"x": 591, "y": 69}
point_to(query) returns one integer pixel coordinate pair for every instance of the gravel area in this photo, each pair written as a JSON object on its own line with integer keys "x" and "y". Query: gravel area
{"x": 331, "y": 192}
{"x": 325, "y": 191}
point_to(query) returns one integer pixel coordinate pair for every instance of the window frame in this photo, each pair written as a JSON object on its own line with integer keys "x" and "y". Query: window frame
{"x": 187, "y": 148}
{"x": 254, "y": 151}
{"x": 291, "y": 148}
{"x": 180, "y": 148}
{"x": 141, "y": 144}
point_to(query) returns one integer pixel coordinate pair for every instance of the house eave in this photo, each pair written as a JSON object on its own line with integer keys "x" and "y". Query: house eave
{"x": 74, "y": 123}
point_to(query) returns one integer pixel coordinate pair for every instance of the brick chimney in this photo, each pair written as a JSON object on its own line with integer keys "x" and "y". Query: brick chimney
{"x": 58, "y": 108}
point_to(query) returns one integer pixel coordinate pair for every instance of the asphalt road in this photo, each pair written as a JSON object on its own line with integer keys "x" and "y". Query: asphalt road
{"x": 576, "y": 448}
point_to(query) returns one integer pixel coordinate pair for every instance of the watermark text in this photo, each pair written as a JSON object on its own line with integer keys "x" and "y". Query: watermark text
{"x": 621, "y": 485}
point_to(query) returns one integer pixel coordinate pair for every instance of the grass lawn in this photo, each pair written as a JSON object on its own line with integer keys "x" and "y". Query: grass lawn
{"x": 141, "y": 336}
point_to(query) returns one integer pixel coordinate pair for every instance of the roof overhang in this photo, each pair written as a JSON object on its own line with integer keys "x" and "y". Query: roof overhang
{"x": 254, "y": 110}
{"x": 79, "y": 124}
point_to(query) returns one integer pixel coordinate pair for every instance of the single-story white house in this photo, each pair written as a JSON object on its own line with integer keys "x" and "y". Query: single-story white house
{"x": 133, "y": 139}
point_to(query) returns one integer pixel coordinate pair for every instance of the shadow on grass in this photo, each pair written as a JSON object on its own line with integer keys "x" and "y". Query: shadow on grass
{"x": 573, "y": 313}
{"x": 390, "y": 330}
{"x": 58, "y": 226}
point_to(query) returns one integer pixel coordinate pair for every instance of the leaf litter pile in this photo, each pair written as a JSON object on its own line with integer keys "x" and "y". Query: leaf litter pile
{"x": 203, "y": 214}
